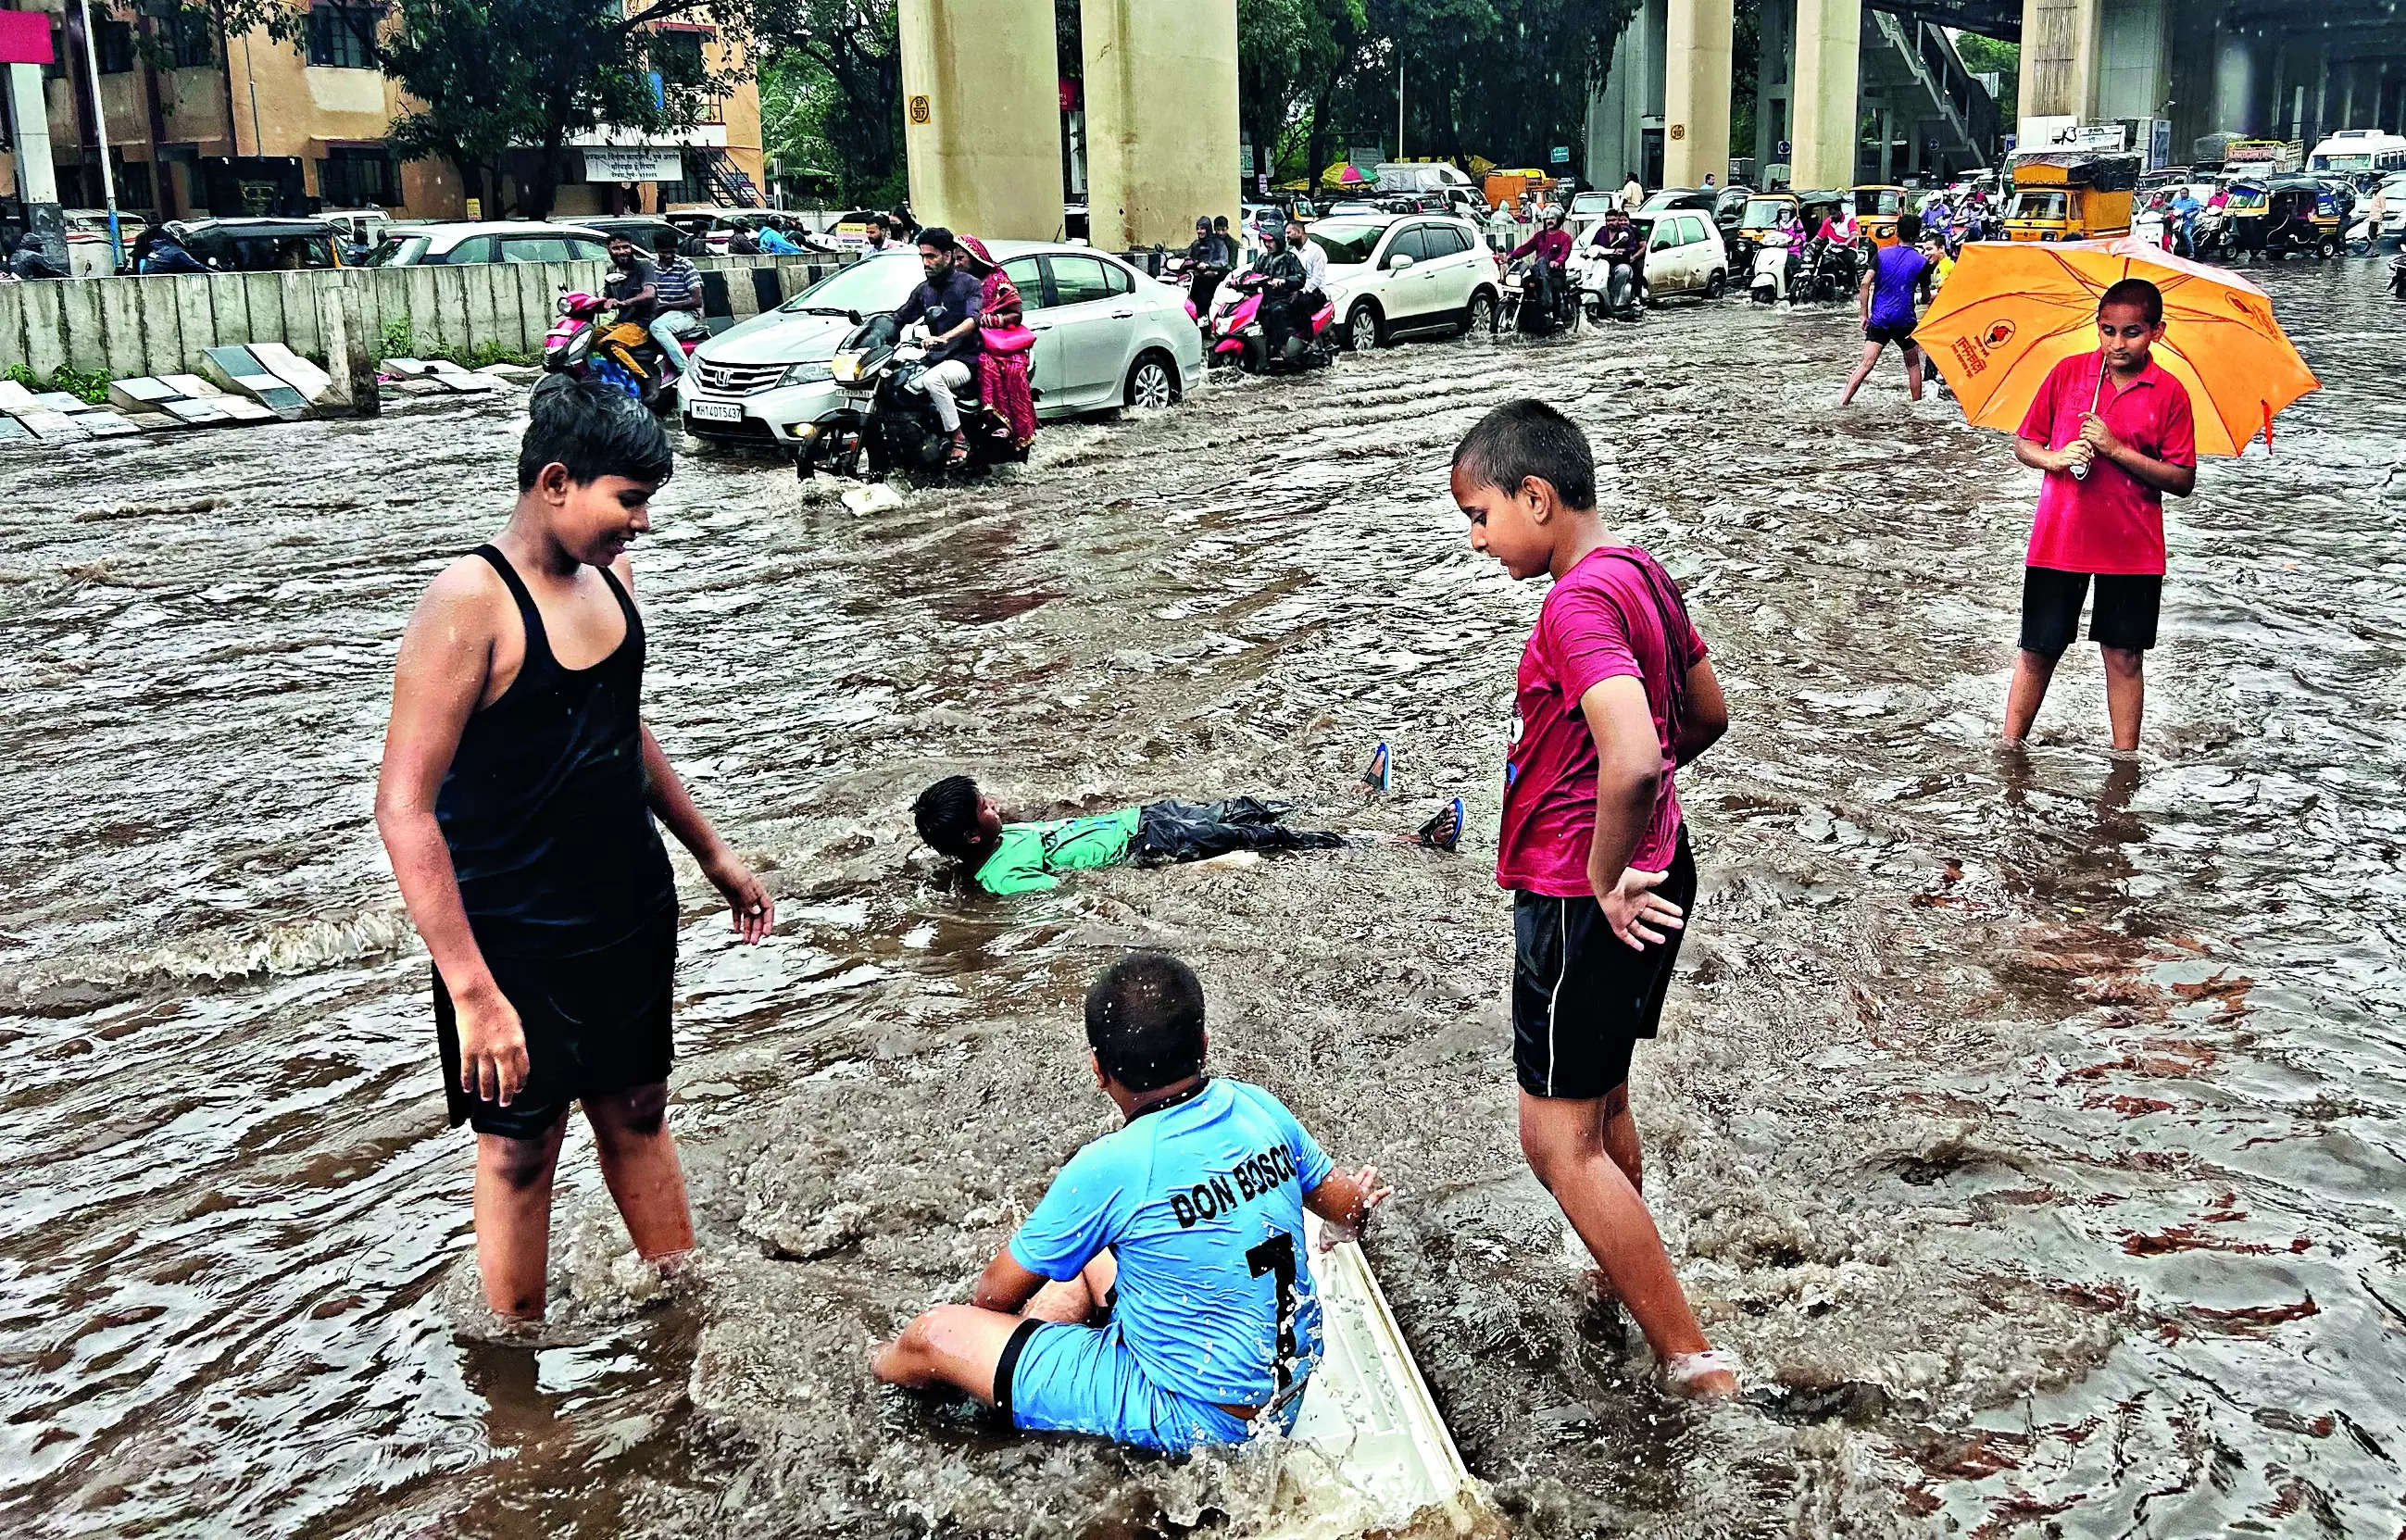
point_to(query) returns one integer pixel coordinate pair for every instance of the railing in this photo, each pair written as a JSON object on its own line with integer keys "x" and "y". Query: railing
{"x": 1928, "y": 54}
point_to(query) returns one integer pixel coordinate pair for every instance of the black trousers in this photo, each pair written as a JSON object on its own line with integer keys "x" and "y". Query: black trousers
{"x": 1198, "y": 831}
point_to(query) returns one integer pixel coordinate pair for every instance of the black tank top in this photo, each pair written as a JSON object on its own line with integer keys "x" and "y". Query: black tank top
{"x": 543, "y": 806}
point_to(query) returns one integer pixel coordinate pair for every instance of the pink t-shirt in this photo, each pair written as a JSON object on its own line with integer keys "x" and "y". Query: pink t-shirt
{"x": 1602, "y": 621}
{"x": 2111, "y": 521}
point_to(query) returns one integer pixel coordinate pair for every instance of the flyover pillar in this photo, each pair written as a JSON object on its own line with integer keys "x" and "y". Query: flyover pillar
{"x": 1696, "y": 92}
{"x": 2060, "y": 55}
{"x": 1161, "y": 118}
{"x": 1828, "y": 46}
{"x": 981, "y": 116}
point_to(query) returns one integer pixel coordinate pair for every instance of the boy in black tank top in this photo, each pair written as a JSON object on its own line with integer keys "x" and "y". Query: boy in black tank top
{"x": 517, "y": 802}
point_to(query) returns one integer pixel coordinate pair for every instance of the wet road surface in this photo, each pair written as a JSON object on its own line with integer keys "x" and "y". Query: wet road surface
{"x": 2031, "y": 1124}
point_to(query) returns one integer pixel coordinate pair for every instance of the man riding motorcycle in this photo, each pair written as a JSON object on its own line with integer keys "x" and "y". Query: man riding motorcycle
{"x": 1620, "y": 238}
{"x": 1279, "y": 274}
{"x": 1315, "y": 273}
{"x": 1551, "y": 247}
{"x": 948, "y": 302}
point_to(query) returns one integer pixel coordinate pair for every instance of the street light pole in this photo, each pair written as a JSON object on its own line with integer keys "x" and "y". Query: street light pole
{"x": 100, "y": 128}
{"x": 1399, "y": 100}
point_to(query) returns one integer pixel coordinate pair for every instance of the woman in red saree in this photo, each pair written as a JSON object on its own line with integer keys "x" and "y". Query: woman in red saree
{"x": 1002, "y": 362}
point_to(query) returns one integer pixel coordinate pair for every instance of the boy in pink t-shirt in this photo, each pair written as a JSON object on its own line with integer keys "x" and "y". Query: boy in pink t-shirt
{"x": 1614, "y": 695}
{"x": 2114, "y": 432}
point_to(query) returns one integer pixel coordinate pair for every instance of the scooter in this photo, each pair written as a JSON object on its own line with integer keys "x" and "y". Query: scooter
{"x": 887, "y": 423}
{"x": 622, "y": 354}
{"x": 1769, "y": 283}
{"x": 1606, "y": 285}
{"x": 1238, "y": 338}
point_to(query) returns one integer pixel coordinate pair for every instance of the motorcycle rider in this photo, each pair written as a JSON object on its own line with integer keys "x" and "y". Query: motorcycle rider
{"x": 631, "y": 289}
{"x": 1279, "y": 274}
{"x": 1204, "y": 268}
{"x": 1315, "y": 273}
{"x": 948, "y": 302}
{"x": 1551, "y": 248}
{"x": 1621, "y": 239}
{"x": 676, "y": 287}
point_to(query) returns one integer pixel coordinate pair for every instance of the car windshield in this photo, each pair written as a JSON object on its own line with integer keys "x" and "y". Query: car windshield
{"x": 1762, "y": 213}
{"x": 1595, "y": 202}
{"x": 397, "y": 252}
{"x": 2249, "y": 199}
{"x": 1887, "y": 200}
{"x": 1670, "y": 197}
{"x": 880, "y": 283}
{"x": 2036, "y": 206}
{"x": 1347, "y": 245}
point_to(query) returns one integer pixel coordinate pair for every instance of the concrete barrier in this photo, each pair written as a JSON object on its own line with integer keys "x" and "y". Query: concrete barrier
{"x": 165, "y": 323}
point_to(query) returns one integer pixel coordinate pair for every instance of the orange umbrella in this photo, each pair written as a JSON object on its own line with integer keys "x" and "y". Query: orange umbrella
{"x": 2009, "y": 313}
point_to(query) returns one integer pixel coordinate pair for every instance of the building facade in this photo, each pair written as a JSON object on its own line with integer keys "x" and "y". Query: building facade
{"x": 198, "y": 123}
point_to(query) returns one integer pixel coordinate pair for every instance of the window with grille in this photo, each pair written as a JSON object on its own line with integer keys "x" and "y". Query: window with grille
{"x": 357, "y": 178}
{"x": 338, "y": 37}
{"x": 116, "y": 48}
{"x": 193, "y": 37}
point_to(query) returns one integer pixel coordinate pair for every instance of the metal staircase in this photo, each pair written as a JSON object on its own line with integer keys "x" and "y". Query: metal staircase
{"x": 1919, "y": 51}
{"x": 729, "y": 186}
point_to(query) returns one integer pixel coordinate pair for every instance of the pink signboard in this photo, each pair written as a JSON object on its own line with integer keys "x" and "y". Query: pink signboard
{"x": 24, "y": 37}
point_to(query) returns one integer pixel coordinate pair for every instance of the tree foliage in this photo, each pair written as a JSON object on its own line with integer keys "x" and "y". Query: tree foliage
{"x": 488, "y": 76}
{"x": 831, "y": 93}
{"x": 1985, "y": 55}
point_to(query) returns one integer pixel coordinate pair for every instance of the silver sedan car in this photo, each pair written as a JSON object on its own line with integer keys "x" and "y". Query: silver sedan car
{"x": 1106, "y": 337}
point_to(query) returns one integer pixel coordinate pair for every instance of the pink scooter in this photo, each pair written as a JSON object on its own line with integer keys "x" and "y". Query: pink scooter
{"x": 621, "y": 352}
{"x": 1238, "y": 339}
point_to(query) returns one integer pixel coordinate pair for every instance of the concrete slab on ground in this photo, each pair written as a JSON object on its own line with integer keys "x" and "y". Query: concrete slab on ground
{"x": 15, "y": 399}
{"x": 51, "y": 427}
{"x": 293, "y": 370}
{"x": 195, "y": 411}
{"x": 59, "y": 401}
{"x": 244, "y": 409}
{"x": 464, "y": 382}
{"x": 141, "y": 393}
{"x": 155, "y": 423}
{"x": 405, "y": 368}
{"x": 513, "y": 373}
{"x": 13, "y": 432}
{"x": 105, "y": 425}
{"x": 241, "y": 373}
{"x": 191, "y": 387}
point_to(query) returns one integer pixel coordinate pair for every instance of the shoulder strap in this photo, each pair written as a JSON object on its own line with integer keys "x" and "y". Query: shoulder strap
{"x": 626, "y": 602}
{"x": 510, "y": 579}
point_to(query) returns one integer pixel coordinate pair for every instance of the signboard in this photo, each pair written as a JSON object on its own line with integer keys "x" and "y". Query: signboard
{"x": 1562, "y": 155}
{"x": 1785, "y": 149}
{"x": 25, "y": 37}
{"x": 2067, "y": 133}
{"x": 919, "y": 113}
{"x": 1068, "y": 97}
{"x": 2159, "y": 144}
{"x": 633, "y": 164}
{"x": 1366, "y": 155}
{"x": 1244, "y": 160}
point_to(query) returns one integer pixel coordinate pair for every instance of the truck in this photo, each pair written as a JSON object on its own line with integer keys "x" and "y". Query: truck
{"x": 2071, "y": 196}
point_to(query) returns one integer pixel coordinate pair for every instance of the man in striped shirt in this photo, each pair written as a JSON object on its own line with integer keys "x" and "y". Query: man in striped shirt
{"x": 676, "y": 285}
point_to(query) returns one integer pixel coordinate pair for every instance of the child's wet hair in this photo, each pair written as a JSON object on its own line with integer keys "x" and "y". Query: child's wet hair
{"x": 1144, "y": 1021}
{"x": 593, "y": 431}
{"x": 1528, "y": 438}
{"x": 2138, "y": 291}
{"x": 1908, "y": 229}
{"x": 947, "y": 816}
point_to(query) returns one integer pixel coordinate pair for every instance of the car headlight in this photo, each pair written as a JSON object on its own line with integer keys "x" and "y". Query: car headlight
{"x": 809, "y": 374}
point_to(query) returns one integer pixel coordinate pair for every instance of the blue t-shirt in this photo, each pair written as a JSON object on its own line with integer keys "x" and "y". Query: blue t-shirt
{"x": 1202, "y": 1206}
{"x": 1897, "y": 270}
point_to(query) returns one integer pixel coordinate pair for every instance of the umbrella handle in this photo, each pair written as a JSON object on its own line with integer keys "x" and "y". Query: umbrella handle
{"x": 2080, "y": 471}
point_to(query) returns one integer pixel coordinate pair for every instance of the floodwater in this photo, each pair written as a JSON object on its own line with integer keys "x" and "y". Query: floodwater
{"x": 2031, "y": 1126}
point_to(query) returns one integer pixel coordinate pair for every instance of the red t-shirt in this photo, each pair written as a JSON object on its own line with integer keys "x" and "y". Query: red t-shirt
{"x": 2112, "y": 522}
{"x": 1601, "y": 622}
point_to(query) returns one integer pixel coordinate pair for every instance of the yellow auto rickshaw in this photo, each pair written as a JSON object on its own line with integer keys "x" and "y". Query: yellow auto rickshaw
{"x": 1876, "y": 207}
{"x": 2281, "y": 215}
{"x": 2071, "y": 197}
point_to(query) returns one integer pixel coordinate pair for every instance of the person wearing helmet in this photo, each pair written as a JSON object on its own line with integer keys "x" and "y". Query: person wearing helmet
{"x": 1278, "y": 272}
{"x": 1551, "y": 249}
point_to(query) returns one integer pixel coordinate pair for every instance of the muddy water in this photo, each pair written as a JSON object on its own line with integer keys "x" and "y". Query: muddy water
{"x": 2030, "y": 1124}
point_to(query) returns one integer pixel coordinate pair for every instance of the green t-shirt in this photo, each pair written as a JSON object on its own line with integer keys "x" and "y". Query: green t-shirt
{"x": 1030, "y": 853}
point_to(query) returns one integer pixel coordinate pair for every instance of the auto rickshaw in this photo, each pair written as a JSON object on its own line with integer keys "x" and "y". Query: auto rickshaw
{"x": 2071, "y": 197}
{"x": 1876, "y": 207}
{"x": 2273, "y": 218}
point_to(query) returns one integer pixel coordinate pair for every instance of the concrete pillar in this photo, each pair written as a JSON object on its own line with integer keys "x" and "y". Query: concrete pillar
{"x": 1774, "y": 78}
{"x": 2058, "y": 71}
{"x": 1829, "y": 50}
{"x": 1696, "y": 94}
{"x": 2234, "y": 87}
{"x": 1617, "y": 113}
{"x": 981, "y": 116}
{"x": 1161, "y": 118}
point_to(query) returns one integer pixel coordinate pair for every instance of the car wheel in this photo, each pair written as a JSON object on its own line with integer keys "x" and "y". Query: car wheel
{"x": 1364, "y": 330}
{"x": 1716, "y": 285}
{"x": 1481, "y": 316}
{"x": 1152, "y": 383}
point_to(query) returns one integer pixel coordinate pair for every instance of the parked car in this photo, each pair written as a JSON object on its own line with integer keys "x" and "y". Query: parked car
{"x": 1106, "y": 337}
{"x": 1355, "y": 208}
{"x": 644, "y": 229}
{"x": 1684, "y": 254}
{"x": 1396, "y": 273}
{"x": 466, "y": 241}
{"x": 257, "y": 246}
{"x": 89, "y": 253}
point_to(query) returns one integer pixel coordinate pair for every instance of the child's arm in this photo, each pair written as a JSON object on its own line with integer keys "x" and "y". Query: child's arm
{"x": 1707, "y": 717}
{"x": 446, "y": 655}
{"x": 2038, "y": 457}
{"x": 2164, "y": 475}
{"x": 1005, "y": 1285}
{"x": 1343, "y": 1200}
{"x": 747, "y": 902}
{"x": 1628, "y": 774}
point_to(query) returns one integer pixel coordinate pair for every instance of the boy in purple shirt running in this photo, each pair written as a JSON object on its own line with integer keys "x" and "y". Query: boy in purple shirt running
{"x": 1897, "y": 275}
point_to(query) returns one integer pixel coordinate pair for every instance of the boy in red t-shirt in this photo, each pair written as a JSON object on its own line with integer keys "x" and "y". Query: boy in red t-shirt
{"x": 1614, "y": 694}
{"x": 2113, "y": 433}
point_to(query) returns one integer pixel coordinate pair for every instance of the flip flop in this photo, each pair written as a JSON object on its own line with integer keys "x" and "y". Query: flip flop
{"x": 1444, "y": 831}
{"x": 1380, "y": 776}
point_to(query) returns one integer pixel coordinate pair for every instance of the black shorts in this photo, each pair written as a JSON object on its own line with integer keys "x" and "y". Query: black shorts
{"x": 1582, "y": 996}
{"x": 2124, "y": 615}
{"x": 595, "y": 1022}
{"x": 1900, "y": 335}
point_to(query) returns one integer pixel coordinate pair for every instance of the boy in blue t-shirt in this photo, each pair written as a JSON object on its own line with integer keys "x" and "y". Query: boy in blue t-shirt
{"x": 1159, "y": 1294}
{"x": 1897, "y": 276}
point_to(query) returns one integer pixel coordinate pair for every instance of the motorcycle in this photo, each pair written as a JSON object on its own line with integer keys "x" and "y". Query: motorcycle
{"x": 1768, "y": 284}
{"x": 1179, "y": 274}
{"x": 1827, "y": 273}
{"x": 2397, "y": 274}
{"x": 621, "y": 354}
{"x": 1607, "y": 286}
{"x": 1238, "y": 337}
{"x": 887, "y": 423}
{"x": 1516, "y": 313}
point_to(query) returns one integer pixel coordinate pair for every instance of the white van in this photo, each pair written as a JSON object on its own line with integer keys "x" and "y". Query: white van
{"x": 2353, "y": 151}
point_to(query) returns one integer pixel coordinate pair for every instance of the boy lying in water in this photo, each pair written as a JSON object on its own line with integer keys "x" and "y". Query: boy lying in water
{"x": 958, "y": 820}
{"x": 1159, "y": 1294}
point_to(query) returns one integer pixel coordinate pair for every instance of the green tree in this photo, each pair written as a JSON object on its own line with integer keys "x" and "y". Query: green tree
{"x": 1985, "y": 55}
{"x": 493, "y": 75}
{"x": 833, "y": 79}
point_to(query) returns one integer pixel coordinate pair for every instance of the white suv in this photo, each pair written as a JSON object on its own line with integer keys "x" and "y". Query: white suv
{"x": 1396, "y": 273}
